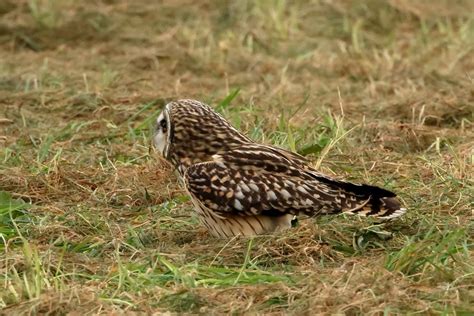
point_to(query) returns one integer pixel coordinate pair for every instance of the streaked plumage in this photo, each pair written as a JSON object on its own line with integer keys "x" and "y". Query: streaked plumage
{"x": 240, "y": 187}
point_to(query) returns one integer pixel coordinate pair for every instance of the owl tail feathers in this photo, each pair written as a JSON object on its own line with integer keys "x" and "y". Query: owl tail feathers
{"x": 363, "y": 199}
{"x": 373, "y": 206}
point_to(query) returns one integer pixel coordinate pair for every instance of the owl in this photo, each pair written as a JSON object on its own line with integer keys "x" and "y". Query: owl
{"x": 240, "y": 187}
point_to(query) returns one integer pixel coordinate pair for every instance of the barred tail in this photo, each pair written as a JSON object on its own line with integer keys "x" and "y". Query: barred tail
{"x": 376, "y": 206}
{"x": 365, "y": 200}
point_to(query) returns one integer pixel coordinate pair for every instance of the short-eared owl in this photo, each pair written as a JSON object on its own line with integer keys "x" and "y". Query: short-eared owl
{"x": 240, "y": 187}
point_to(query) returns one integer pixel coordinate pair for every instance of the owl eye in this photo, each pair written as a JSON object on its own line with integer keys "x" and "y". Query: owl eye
{"x": 163, "y": 125}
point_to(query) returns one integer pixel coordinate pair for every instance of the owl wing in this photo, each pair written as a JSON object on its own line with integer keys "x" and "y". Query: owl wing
{"x": 258, "y": 181}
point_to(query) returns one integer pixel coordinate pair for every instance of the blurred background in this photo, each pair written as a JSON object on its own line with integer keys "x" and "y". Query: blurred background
{"x": 399, "y": 55}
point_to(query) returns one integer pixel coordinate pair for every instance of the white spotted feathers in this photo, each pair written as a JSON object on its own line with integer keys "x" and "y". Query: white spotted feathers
{"x": 239, "y": 187}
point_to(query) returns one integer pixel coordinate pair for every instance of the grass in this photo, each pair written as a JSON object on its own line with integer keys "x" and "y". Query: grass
{"x": 92, "y": 221}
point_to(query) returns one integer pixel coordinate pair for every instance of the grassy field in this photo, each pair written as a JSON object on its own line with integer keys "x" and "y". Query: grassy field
{"x": 93, "y": 222}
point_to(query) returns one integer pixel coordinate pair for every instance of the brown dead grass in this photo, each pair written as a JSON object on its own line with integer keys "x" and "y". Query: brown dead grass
{"x": 108, "y": 214}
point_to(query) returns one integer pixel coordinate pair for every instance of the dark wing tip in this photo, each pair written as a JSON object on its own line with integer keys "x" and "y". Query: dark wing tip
{"x": 391, "y": 208}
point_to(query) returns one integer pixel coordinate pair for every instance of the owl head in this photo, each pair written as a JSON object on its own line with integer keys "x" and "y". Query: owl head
{"x": 189, "y": 132}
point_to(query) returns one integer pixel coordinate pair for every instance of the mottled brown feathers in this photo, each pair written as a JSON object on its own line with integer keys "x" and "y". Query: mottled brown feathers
{"x": 241, "y": 187}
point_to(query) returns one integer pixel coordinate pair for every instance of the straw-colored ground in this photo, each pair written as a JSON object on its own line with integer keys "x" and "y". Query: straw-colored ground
{"x": 373, "y": 91}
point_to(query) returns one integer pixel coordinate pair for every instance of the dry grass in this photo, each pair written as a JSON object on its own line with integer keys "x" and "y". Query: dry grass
{"x": 374, "y": 91}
